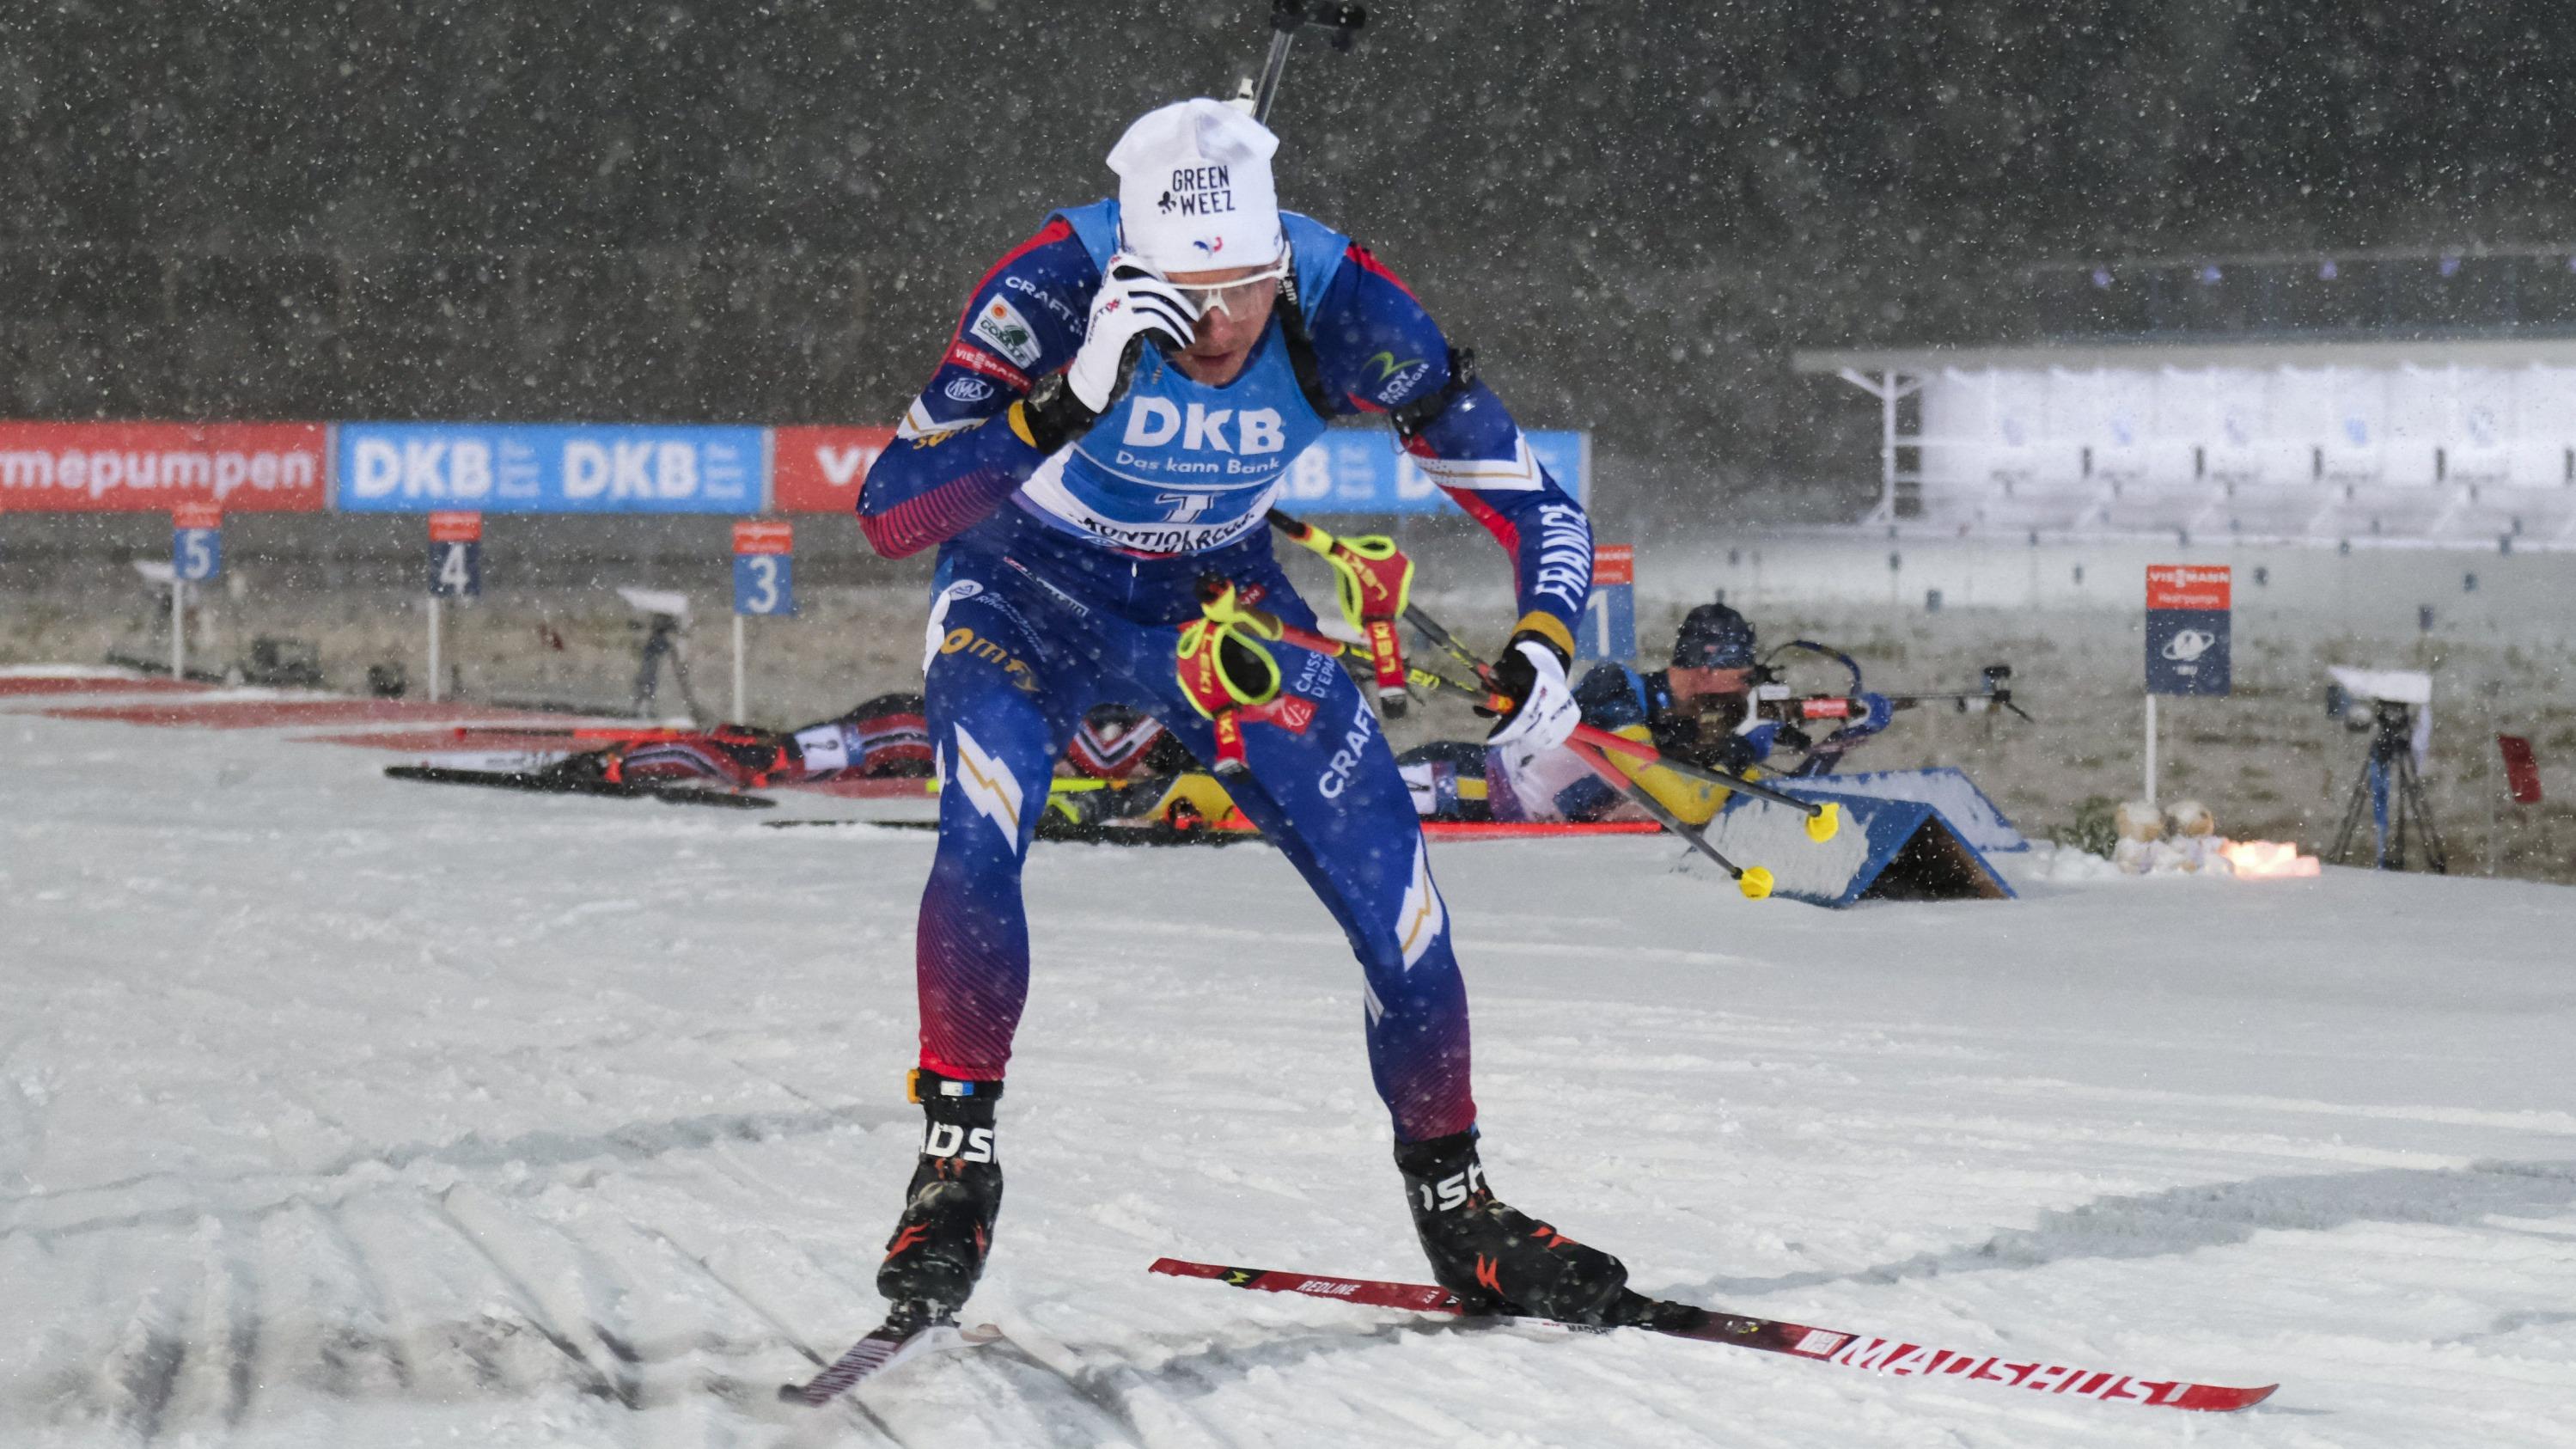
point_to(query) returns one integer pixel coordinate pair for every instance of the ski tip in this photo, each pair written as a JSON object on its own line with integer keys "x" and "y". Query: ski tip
{"x": 981, "y": 1334}
{"x": 2221, "y": 1398}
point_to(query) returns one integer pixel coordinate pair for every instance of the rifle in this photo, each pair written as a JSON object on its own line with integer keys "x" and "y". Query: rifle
{"x": 1774, "y": 701}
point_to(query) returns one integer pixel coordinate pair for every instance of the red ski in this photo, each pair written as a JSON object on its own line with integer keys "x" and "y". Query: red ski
{"x": 1892, "y": 1356}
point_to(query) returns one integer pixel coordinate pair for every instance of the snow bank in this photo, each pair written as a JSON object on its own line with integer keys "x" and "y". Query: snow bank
{"x": 339, "y": 1111}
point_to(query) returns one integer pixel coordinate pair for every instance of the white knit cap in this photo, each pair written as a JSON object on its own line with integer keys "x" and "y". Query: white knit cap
{"x": 1194, "y": 189}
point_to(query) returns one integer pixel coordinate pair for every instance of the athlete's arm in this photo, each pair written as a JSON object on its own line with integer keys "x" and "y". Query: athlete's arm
{"x": 956, "y": 455}
{"x": 1611, "y": 696}
{"x": 1378, "y": 351}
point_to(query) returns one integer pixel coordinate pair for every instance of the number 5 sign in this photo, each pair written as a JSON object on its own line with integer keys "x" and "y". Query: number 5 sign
{"x": 196, "y": 541}
{"x": 196, "y": 556}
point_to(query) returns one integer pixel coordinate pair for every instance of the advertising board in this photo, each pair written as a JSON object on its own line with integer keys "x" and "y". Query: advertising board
{"x": 153, "y": 467}
{"x": 548, "y": 468}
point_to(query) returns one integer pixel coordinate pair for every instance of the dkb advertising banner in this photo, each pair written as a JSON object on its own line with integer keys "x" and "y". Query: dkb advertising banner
{"x": 155, "y": 467}
{"x": 548, "y": 468}
{"x": 1359, "y": 470}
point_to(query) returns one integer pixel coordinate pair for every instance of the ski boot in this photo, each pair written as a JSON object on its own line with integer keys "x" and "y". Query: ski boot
{"x": 1496, "y": 1258}
{"x": 938, "y": 1247}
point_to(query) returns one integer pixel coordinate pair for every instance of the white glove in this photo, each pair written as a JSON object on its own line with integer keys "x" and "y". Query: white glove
{"x": 1133, "y": 306}
{"x": 1548, "y": 714}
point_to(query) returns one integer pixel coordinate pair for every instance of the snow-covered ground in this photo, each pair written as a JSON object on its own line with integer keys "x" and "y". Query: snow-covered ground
{"x": 335, "y": 1111}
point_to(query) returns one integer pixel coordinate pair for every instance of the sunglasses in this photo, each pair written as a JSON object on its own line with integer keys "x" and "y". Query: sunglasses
{"x": 1245, "y": 291}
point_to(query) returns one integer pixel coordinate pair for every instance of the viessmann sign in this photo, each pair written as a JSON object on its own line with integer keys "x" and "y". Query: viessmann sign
{"x": 2189, "y": 613}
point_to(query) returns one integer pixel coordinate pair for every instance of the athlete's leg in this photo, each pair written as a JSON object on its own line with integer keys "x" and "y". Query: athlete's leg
{"x": 1002, "y": 701}
{"x": 1000, "y": 708}
{"x": 1330, "y": 797}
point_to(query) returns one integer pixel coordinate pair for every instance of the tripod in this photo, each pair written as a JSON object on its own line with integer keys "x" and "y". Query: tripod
{"x": 663, "y": 639}
{"x": 2390, "y": 768}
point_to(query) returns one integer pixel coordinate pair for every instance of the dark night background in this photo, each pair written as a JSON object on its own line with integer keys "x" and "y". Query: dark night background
{"x": 769, "y": 212}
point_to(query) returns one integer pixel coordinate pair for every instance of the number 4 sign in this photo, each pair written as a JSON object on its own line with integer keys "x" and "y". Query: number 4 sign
{"x": 456, "y": 555}
{"x": 455, "y": 572}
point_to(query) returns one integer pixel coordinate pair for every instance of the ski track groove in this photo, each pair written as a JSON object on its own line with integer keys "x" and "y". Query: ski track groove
{"x": 231, "y": 1303}
{"x": 332, "y": 1221}
{"x": 1096, "y": 1402}
{"x": 592, "y": 1266}
{"x": 567, "y": 1278}
{"x": 633, "y": 1142}
{"x": 402, "y": 1234}
{"x": 22, "y": 1121}
{"x": 531, "y": 1305}
{"x": 1093, "y": 1403}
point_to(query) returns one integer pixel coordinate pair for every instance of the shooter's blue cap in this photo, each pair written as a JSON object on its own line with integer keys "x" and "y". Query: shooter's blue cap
{"x": 1713, "y": 636}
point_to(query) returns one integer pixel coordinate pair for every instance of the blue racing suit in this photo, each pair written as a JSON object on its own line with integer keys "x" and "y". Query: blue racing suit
{"x": 1063, "y": 578}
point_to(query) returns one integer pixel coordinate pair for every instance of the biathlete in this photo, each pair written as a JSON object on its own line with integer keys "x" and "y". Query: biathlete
{"x": 1700, "y": 711}
{"x": 1107, "y": 427}
{"x": 882, "y": 738}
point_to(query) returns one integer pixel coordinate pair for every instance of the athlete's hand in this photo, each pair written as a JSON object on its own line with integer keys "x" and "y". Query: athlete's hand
{"x": 1755, "y": 741}
{"x": 1532, "y": 673}
{"x": 1876, "y": 714}
{"x": 1132, "y": 308}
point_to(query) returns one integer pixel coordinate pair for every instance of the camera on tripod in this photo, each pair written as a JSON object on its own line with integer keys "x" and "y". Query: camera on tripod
{"x": 2357, "y": 696}
{"x": 2395, "y": 707}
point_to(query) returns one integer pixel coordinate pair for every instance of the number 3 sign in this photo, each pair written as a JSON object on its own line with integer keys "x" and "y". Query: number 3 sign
{"x": 764, "y": 577}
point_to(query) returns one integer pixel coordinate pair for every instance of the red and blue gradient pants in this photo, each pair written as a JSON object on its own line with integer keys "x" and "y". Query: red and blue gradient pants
{"x": 1027, "y": 633}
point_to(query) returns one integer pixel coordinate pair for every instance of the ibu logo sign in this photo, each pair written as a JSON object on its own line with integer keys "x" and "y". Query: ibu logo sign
{"x": 2188, "y": 611}
{"x": 196, "y": 541}
{"x": 1610, "y": 620}
{"x": 548, "y": 468}
{"x": 764, "y": 563}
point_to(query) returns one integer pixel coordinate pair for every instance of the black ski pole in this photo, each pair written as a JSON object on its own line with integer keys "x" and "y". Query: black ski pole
{"x": 1754, "y": 881}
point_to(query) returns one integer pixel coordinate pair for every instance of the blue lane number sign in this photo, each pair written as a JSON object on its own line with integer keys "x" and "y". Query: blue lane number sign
{"x": 196, "y": 541}
{"x": 455, "y": 555}
{"x": 1610, "y": 621}
{"x": 764, "y": 566}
